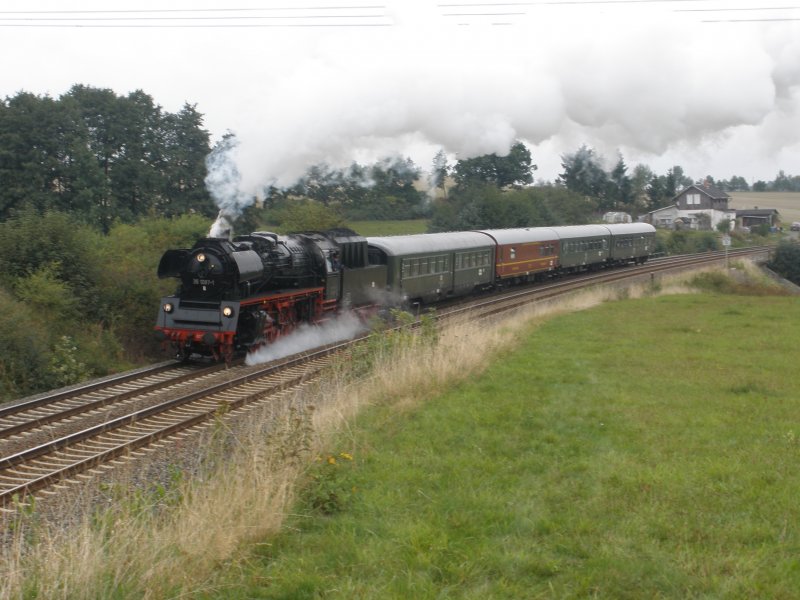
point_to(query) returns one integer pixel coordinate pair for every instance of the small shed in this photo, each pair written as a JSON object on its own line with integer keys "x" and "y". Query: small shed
{"x": 617, "y": 217}
{"x": 753, "y": 217}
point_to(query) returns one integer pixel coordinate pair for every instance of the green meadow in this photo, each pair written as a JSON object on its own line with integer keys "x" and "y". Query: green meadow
{"x": 645, "y": 448}
{"x": 380, "y": 228}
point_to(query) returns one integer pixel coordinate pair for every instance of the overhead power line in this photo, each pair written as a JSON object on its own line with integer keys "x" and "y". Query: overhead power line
{"x": 192, "y": 10}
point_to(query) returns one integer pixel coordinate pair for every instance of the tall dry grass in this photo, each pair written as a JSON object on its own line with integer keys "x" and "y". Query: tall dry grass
{"x": 167, "y": 545}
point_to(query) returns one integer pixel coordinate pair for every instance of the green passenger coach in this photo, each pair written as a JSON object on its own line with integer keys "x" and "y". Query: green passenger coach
{"x": 430, "y": 267}
{"x": 632, "y": 242}
{"x": 583, "y": 246}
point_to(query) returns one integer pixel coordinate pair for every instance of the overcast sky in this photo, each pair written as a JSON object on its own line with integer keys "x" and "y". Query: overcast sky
{"x": 713, "y": 86}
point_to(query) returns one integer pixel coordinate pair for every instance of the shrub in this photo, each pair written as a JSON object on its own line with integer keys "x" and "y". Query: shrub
{"x": 26, "y": 349}
{"x": 786, "y": 261}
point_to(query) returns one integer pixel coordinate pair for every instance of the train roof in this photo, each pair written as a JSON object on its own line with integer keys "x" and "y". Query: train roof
{"x": 401, "y": 245}
{"x": 568, "y": 232}
{"x": 521, "y": 235}
{"x": 623, "y": 228}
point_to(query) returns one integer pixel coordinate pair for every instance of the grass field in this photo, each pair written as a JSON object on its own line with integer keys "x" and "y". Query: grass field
{"x": 787, "y": 203}
{"x": 643, "y": 448}
{"x": 639, "y": 449}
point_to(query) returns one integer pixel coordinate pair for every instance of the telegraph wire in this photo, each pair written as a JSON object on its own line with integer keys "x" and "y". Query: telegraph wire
{"x": 190, "y": 10}
{"x": 225, "y": 17}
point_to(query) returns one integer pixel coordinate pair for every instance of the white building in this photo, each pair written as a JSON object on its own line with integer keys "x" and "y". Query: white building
{"x": 700, "y": 207}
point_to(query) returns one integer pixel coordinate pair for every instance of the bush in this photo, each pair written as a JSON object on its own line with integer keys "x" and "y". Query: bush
{"x": 690, "y": 242}
{"x": 76, "y": 304}
{"x": 55, "y": 246}
{"x": 25, "y": 360}
{"x": 786, "y": 261}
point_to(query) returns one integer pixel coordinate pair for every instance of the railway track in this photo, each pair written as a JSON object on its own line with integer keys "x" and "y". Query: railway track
{"x": 168, "y": 399}
{"x": 49, "y": 409}
{"x": 41, "y": 466}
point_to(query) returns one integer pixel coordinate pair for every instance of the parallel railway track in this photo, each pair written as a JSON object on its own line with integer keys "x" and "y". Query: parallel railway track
{"x": 194, "y": 395}
{"x": 48, "y": 409}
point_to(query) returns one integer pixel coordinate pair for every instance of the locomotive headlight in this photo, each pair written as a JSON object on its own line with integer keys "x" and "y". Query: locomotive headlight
{"x": 201, "y": 257}
{"x": 227, "y": 311}
{"x": 167, "y": 307}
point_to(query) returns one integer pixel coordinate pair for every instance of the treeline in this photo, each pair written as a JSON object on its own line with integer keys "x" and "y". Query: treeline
{"x": 641, "y": 190}
{"x": 107, "y": 159}
{"x": 101, "y": 157}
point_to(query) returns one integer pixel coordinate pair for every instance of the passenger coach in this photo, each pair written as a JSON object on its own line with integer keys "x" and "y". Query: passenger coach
{"x": 433, "y": 266}
{"x": 631, "y": 242}
{"x": 583, "y": 246}
{"x": 524, "y": 254}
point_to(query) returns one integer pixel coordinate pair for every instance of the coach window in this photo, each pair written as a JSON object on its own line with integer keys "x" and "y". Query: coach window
{"x": 512, "y": 253}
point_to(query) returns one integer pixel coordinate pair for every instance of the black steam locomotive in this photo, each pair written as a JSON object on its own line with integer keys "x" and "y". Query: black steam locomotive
{"x": 238, "y": 294}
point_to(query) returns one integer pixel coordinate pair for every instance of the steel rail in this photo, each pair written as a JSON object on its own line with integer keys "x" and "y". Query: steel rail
{"x": 114, "y": 398}
{"x": 86, "y": 388}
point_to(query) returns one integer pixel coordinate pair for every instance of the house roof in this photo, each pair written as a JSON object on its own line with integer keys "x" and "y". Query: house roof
{"x": 756, "y": 212}
{"x": 670, "y": 207}
{"x": 708, "y": 190}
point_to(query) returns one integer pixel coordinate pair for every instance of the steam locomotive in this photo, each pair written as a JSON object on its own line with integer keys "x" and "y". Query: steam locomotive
{"x": 235, "y": 295}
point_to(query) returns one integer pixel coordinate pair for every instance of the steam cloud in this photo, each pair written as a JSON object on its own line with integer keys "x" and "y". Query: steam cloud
{"x": 343, "y": 327}
{"x": 665, "y": 89}
{"x": 223, "y": 183}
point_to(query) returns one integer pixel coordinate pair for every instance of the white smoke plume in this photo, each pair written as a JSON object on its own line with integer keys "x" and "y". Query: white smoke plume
{"x": 223, "y": 183}
{"x": 663, "y": 83}
{"x": 343, "y": 327}
{"x": 663, "y": 86}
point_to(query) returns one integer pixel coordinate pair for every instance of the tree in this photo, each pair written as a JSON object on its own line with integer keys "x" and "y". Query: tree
{"x": 100, "y": 157}
{"x": 679, "y": 177}
{"x": 620, "y": 193}
{"x": 656, "y": 190}
{"x": 640, "y": 181}
{"x": 760, "y": 186}
{"x": 486, "y": 206}
{"x": 185, "y": 147}
{"x": 44, "y": 161}
{"x": 440, "y": 172}
{"x": 307, "y": 215}
{"x": 584, "y": 175}
{"x": 734, "y": 184}
{"x": 515, "y": 168}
